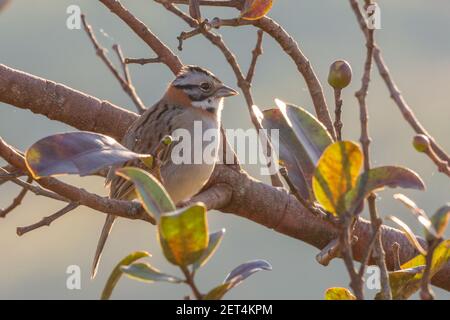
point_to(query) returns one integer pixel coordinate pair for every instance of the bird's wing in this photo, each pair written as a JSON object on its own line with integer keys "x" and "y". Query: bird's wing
{"x": 138, "y": 140}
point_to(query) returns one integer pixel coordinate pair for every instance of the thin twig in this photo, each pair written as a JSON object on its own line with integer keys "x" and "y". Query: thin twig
{"x": 337, "y": 111}
{"x": 191, "y": 283}
{"x": 126, "y": 85}
{"x": 36, "y": 189}
{"x": 46, "y": 221}
{"x": 16, "y": 202}
{"x": 142, "y": 61}
{"x": 396, "y": 254}
{"x": 395, "y": 93}
{"x": 243, "y": 84}
{"x": 378, "y": 251}
{"x": 368, "y": 253}
{"x": 255, "y": 54}
{"x": 163, "y": 52}
{"x": 126, "y": 72}
{"x": 425, "y": 289}
{"x": 345, "y": 245}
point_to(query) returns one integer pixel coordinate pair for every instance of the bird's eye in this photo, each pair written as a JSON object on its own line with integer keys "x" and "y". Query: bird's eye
{"x": 205, "y": 86}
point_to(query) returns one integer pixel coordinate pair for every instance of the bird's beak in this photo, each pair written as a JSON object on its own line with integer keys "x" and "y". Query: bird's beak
{"x": 225, "y": 91}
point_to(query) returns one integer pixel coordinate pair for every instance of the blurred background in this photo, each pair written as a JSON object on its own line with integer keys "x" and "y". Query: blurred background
{"x": 34, "y": 38}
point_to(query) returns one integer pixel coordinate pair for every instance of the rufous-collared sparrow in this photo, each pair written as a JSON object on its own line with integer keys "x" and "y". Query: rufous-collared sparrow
{"x": 196, "y": 95}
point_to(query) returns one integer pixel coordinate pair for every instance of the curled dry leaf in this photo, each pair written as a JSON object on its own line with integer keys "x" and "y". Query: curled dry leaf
{"x": 255, "y": 9}
{"x": 420, "y": 215}
{"x": 80, "y": 152}
{"x": 409, "y": 234}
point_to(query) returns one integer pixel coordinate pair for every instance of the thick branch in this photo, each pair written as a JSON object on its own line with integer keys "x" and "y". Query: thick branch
{"x": 58, "y": 102}
{"x": 272, "y": 207}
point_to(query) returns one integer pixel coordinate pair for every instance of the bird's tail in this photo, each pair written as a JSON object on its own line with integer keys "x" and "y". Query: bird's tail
{"x": 101, "y": 242}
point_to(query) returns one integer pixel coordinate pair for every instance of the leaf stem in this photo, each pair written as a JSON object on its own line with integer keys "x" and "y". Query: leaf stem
{"x": 191, "y": 283}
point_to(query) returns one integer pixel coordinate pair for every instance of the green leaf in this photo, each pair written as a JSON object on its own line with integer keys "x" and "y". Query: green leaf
{"x": 236, "y": 276}
{"x": 336, "y": 174}
{"x": 408, "y": 233}
{"x": 183, "y": 234}
{"x": 117, "y": 272}
{"x": 418, "y": 213}
{"x": 339, "y": 294}
{"x": 377, "y": 178}
{"x": 407, "y": 281}
{"x": 219, "y": 292}
{"x": 146, "y": 273}
{"x": 213, "y": 243}
{"x": 81, "y": 153}
{"x": 302, "y": 140}
{"x": 150, "y": 191}
{"x": 404, "y": 283}
{"x": 440, "y": 257}
{"x": 440, "y": 221}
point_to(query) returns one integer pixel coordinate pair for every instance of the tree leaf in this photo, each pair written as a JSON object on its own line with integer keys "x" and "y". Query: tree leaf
{"x": 418, "y": 213}
{"x": 219, "y": 292}
{"x": 409, "y": 234}
{"x": 440, "y": 257}
{"x": 440, "y": 220}
{"x": 213, "y": 243}
{"x": 339, "y": 294}
{"x": 79, "y": 152}
{"x": 243, "y": 271}
{"x": 255, "y": 9}
{"x": 404, "y": 283}
{"x": 150, "y": 191}
{"x": 236, "y": 276}
{"x": 377, "y": 178}
{"x": 302, "y": 140}
{"x": 183, "y": 234}
{"x": 117, "y": 272}
{"x": 146, "y": 273}
{"x": 407, "y": 281}
{"x": 336, "y": 174}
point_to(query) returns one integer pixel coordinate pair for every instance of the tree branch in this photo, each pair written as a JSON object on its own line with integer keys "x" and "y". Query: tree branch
{"x": 399, "y": 100}
{"x": 125, "y": 209}
{"x": 164, "y": 53}
{"x": 250, "y": 199}
{"x": 124, "y": 83}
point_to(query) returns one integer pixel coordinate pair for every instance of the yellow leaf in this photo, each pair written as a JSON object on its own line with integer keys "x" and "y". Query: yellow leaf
{"x": 440, "y": 257}
{"x": 339, "y": 294}
{"x": 255, "y": 9}
{"x": 183, "y": 234}
{"x": 336, "y": 174}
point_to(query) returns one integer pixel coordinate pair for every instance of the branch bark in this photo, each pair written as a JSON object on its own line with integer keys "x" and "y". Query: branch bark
{"x": 237, "y": 193}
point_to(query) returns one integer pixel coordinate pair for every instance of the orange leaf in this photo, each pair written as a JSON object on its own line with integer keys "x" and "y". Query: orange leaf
{"x": 256, "y": 9}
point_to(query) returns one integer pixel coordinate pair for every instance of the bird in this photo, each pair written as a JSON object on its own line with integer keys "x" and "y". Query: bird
{"x": 195, "y": 95}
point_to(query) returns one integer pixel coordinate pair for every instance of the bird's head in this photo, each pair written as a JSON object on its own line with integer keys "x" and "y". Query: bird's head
{"x": 201, "y": 89}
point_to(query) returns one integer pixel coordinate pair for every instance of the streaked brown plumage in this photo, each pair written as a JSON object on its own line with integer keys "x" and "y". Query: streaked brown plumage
{"x": 194, "y": 95}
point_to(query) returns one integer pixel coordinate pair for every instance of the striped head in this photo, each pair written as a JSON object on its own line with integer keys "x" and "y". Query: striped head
{"x": 203, "y": 89}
